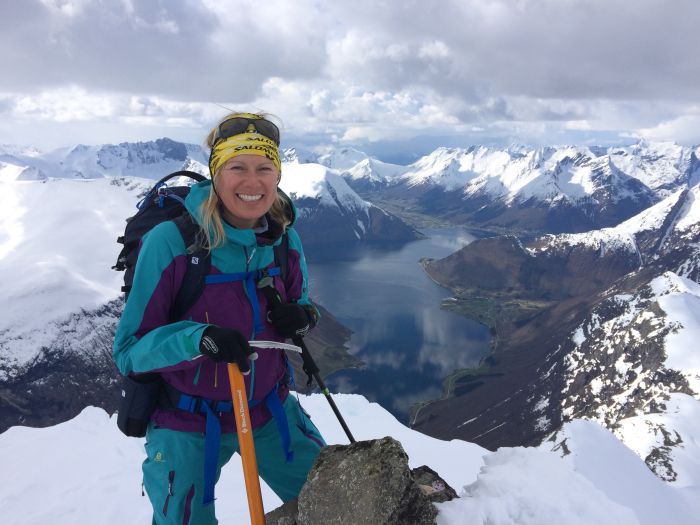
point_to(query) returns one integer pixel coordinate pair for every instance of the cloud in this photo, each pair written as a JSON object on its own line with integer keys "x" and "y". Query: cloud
{"x": 181, "y": 50}
{"x": 361, "y": 72}
{"x": 684, "y": 129}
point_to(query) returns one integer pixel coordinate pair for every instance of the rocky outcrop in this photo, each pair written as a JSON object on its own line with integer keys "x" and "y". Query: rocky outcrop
{"x": 366, "y": 483}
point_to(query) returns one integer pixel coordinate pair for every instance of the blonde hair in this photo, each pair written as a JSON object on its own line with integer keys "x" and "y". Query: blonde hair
{"x": 210, "y": 210}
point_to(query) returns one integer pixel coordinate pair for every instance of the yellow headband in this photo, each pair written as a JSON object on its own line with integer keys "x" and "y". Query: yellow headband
{"x": 243, "y": 144}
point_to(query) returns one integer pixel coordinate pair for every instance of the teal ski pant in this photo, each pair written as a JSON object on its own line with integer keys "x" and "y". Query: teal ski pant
{"x": 173, "y": 472}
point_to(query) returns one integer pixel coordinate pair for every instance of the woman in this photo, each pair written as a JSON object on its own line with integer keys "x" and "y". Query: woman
{"x": 242, "y": 215}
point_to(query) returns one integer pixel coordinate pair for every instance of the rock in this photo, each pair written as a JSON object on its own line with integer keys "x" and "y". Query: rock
{"x": 432, "y": 485}
{"x": 366, "y": 483}
{"x": 285, "y": 514}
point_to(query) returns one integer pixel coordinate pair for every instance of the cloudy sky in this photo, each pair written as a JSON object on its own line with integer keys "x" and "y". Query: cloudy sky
{"x": 394, "y": 78}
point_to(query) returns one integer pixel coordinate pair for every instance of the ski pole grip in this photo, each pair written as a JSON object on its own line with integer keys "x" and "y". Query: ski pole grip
{"x": 309, "y": 363}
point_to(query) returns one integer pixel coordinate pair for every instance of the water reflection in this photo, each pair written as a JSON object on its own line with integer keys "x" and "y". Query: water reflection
{"x": 408, "y": 343}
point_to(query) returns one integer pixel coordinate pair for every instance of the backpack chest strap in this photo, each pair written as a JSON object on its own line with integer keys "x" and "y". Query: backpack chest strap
{"x": 249, "y": 280}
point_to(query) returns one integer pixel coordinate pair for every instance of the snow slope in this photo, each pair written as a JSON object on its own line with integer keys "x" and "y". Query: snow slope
{"x": 374, "y": 170}
{"x": 623, "y": 236}
{"x": 318, "y": 182}
{"x": 58, "y": 244}
{"x": 652, "y": 402}
{"x": 91, "y": 473}
{"x": 659, "y": 165}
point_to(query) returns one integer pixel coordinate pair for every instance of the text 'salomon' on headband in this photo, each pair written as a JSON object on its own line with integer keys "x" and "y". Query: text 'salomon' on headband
{"x": 244, "y": 134}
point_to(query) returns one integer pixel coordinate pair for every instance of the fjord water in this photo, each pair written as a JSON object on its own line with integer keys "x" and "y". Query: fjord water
{"x": 408, "y": 344}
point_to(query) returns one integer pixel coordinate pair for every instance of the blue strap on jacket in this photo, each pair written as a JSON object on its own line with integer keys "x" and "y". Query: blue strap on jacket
{"x": 194, "y": 404}
{"x": 274, "y": 405}
{"x": 212, "y": 433}
{"x": 250, "y": 279}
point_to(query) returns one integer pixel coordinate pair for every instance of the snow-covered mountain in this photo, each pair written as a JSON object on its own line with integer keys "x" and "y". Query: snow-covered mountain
{"x": 329, "y": 210}
{"x": 150, "y": 160}
{"x": 341, "y": 158}
{"x": 57, "y": 247}
{"x": 92, "y": 474}
{"x": 371, "y": 174}
{"x": 327, "y": 198}
{"x": 299, "y": 155}
{"x": 661, "y": 166}
{"x": 598, "y": 325}
{"x": 549, "y": 189}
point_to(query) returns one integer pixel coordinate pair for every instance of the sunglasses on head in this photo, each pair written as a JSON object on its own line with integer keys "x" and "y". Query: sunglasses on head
{"x": 237, "y": 125}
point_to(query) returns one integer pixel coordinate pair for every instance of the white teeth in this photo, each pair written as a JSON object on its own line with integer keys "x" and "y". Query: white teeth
{"x": 249, "y": 198}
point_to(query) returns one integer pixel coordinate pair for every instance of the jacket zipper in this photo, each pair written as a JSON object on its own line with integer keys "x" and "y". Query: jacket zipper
{"x": 249, "y": 258}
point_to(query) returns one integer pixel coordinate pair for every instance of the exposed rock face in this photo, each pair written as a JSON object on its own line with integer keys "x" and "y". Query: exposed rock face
{"x": 73, "y": 368}
{"x": 319, "y": 224}
{"x": 368, "y": 482}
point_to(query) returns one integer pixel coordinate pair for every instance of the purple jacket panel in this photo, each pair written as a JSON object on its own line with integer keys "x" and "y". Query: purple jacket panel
{"x": 227, "y": 305}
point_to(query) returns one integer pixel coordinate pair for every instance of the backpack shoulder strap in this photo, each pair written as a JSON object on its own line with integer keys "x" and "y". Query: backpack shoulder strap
{"x": 198, "y": 265}
{"x": 282, "y": 256}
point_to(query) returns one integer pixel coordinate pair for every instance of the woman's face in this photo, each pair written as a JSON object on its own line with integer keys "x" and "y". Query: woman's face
{"x": 247, "y": 186}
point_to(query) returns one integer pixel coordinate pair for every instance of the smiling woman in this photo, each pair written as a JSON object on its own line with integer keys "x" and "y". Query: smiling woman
{"x": 242, "y": 217}
{"x": 247, "y": 187}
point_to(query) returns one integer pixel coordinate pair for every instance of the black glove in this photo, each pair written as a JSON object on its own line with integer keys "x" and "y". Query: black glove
{"x": 225, "y": 345}
{"x": 290, "y": 319}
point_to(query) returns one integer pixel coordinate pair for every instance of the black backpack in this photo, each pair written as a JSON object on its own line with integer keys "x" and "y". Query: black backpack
{"x": 165, "y": 203}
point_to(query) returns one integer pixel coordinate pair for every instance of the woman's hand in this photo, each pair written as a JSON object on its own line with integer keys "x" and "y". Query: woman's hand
{"x": 289, "y": 319}
{"x": 226, "y": 345}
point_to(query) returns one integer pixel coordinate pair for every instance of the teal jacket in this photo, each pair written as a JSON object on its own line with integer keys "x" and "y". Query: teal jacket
{"x": 147, "y": 340}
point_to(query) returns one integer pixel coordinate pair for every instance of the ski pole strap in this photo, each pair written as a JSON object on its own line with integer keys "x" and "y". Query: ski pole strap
{"x": 249, "y": 279}
{"x": 309, "y": 365}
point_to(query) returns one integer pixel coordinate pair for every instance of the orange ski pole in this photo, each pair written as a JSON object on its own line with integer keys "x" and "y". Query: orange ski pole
{"x": 247, "y": 447}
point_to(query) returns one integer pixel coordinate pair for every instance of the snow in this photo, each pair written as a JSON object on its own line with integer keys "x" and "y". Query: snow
{"x": 58, "y": 244}
{"x": 341, "y": 158}
{"x": 519, "y": 486}
{"x": 91, "y": 473}
{"x": 623, "y": 235}
{"x": 680, "y": 299}
{"x": 551, "y": 174}
{"x": 10, "y": 172}
{"x": 690, "y": 215}
{"x": 151, "y": 160}
{"x": 445, "y": 166}
{"x": 49, "y": 230}
{"x": 578, "y": 337}
{"x": 657, "y": 165}
{"x": 680, "y": 420}
{"x": 662, "y": 430}
{"x": 375, "y": 171}
{"x": 316, "y": 181}
{"x": 619, "y": 473}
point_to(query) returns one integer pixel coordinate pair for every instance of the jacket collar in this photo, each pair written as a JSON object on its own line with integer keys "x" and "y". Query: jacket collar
{"x": 199, "y": 193}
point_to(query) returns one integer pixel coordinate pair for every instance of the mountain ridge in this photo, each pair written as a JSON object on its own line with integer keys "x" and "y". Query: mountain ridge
{"x": 607, "y": 290}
